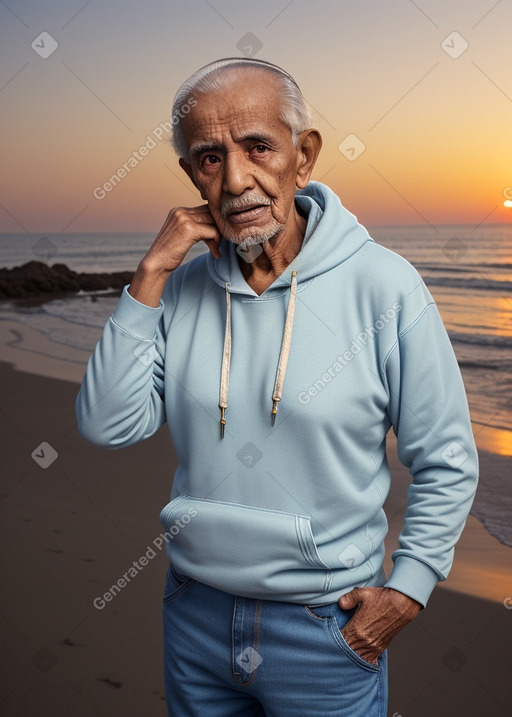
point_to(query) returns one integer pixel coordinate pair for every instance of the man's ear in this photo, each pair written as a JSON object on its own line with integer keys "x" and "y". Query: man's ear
{"x": 309, "y": 144}
{"x": 188, "y": 169}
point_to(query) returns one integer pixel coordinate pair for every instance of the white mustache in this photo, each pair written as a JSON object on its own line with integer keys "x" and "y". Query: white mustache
{"x": 247, "y": 200}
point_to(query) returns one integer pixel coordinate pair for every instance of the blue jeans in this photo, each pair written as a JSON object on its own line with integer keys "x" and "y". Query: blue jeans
{"x": 230, "y": 656}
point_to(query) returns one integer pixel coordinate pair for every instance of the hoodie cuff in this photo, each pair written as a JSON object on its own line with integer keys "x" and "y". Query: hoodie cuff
{"x": 135, "y": 318}
{"x": 413, "y": 578}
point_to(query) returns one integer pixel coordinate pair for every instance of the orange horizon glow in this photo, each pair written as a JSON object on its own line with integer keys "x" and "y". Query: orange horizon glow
{"x": 493, "y": 440}
{"x": 434, "y": 119}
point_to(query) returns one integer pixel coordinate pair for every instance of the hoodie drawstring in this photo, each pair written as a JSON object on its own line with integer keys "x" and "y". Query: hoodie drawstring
{"x": 283, "y": 355}
{"x": 285, "y": 347}
{"x": 226, "y": 363}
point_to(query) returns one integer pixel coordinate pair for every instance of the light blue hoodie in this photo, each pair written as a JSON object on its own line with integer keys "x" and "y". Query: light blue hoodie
{"x": 293, "y": 511}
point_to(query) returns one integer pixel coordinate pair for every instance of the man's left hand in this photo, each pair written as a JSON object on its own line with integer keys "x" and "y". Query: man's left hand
{"x": 380, "y": 615}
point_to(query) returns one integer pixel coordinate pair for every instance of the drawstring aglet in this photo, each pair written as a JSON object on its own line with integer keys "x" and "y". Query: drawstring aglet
{"x": 222, "y": 422}
{"x": 274, "y": 411}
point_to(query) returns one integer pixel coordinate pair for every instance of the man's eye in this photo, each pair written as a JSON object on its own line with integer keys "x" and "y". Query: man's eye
{"x": 260, "y": 148}
{"x": 210, "y": 159}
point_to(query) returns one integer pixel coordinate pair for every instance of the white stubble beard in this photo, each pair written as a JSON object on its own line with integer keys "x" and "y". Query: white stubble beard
{"x": 250, "y": 236}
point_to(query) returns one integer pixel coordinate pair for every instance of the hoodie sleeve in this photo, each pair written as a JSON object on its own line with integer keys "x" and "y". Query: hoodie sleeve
{"x": 121, "y": 398}
{"x": 430, "y": 417}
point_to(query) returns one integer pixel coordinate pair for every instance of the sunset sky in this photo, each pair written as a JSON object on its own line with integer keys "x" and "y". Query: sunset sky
{"x": 426, "y": 86}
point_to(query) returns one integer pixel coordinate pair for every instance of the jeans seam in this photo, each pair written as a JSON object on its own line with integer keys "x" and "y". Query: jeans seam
{"x": 256, "y": 642}
{"x": 321, "y": 618}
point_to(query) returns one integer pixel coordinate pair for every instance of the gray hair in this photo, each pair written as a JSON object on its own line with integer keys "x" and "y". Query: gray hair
{"x": 222, "y": 74}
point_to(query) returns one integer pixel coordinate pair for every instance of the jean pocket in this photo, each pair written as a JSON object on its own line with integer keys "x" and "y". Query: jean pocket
{"x": 355, "y": 656}
{"x": 175, "y": 584}
{"x": 335, "y": 620}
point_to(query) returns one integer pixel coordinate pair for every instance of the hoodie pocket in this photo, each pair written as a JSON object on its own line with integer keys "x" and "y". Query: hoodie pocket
{"x": 244, "y": 550}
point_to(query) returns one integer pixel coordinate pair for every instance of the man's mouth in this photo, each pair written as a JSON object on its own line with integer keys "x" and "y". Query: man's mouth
{"x": 247, "y": 214}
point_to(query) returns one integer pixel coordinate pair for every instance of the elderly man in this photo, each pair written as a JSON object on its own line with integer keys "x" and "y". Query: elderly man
{"x": 276, "y": 602}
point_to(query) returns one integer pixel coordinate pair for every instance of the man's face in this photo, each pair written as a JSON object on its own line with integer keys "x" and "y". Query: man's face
{"x": 242, "y": 159}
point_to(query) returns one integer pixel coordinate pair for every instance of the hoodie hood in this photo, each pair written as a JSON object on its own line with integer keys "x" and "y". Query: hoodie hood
{"x": 332, "y": 235}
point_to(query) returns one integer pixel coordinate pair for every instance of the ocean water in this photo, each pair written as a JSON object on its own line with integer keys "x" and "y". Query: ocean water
{"x": 467, "y": 269}
{"x": 469, "y": 272}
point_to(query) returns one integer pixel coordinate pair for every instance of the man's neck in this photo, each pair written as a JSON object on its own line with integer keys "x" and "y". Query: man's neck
{"x": 275, "y": 256}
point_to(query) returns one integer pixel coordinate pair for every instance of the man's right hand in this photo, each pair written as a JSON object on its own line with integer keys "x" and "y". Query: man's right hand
{"x": 184, "y": 227}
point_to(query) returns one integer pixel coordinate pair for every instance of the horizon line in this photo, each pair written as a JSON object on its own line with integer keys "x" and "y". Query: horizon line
{"x": 152, "y": 231}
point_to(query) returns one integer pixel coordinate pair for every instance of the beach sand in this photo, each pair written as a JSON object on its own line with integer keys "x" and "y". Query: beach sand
{"x": 70, "y": 530}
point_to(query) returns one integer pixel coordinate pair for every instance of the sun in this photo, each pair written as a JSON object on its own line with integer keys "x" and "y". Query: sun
{"x": 507, "y": 203}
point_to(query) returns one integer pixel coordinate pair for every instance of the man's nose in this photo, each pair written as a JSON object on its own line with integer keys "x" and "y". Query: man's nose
{"x": 238, "y": 176}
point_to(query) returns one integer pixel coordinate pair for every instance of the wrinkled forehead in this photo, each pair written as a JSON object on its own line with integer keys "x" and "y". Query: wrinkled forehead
{"x": 249, "y": 107}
